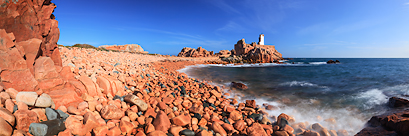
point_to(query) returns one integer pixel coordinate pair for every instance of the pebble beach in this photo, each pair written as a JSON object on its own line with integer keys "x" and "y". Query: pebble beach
{"x": 158, "y": 100}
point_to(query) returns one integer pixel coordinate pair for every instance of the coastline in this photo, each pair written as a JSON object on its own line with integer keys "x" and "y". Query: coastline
{"x": 119, "y": 93}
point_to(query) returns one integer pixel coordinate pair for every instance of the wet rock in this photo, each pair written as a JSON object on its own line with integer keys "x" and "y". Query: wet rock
{"x": 219, "y": 129}
{"x": 251, "y": 103}
{"x": 280, "y": 133}
{"x": 288, "y": 119}
{"x": 256, "y": 130}
{"x": 239, "y": 85}
{"x": 333, "y": 62}
{"x": 133, "y": 99}
{"x": 235, "y": 115}
{"x": 395, "y": 102}
{"x": 28, "y": 98}
{"x": 310, "y": 133}
{"x": 239, "y": 125}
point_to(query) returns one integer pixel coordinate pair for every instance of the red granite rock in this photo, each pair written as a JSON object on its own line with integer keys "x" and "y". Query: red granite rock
{"x": 219, "y": 129}
{"x": 33, "y": 19}
{"x": 181, "y": 120}
{"x": 89, "y": 85}
{"x": 31, "y": 50}
{"x": 100, "y": 131}
{"x": 157, "y": 133}
{"x": 64, "y": 97}
{"x": 24, "y": 118}
{"x": 75, "y": 126}
{"x": 161, "y": 122}
{"x": 47, "y": 76}
{"x": 251, "y": 103}
{"x": 7, "y": 115}
{"x": 199, "y": 52}
{"x": 235, "y": 115}
{"x": 126, "y": 126}
{"x": 256, "y": 130}
{"x": 239, "y": 125}
{"x": 112, "y": 112}
{"x": 90, "y": 121}
{"x": 5, "y": 128}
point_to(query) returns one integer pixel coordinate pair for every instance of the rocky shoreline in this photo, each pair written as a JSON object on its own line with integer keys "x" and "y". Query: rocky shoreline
{"x": 135, "y": 94}
{"x": 50, "y": 90}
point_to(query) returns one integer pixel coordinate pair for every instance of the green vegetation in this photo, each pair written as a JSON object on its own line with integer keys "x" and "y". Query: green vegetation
{"x": 88, "y": 46}
{"x": 84, "y": 46}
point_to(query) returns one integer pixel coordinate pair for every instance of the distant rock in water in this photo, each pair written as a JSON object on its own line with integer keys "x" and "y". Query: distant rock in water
{"x": 132, "y": 48}
{"x": 239, "y": 85}
{"x": 333, "y": 62}
{"x": 199, "y": 52}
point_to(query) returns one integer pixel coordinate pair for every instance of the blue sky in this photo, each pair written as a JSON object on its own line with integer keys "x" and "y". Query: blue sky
{"x": 298, "y": 28}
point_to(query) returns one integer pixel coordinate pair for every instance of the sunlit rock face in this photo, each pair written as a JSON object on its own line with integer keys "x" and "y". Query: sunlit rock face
{"x": 32, "y": 21}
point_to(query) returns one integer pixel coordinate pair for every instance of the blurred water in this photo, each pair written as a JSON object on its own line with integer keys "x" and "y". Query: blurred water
{"x": 350, "y": 92}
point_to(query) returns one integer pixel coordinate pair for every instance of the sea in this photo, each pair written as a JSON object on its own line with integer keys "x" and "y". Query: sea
{"x": 338, "y": 96}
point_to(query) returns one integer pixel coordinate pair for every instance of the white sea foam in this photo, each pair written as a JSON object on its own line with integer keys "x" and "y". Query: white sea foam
{"x": 373, "y": 98}
{"x": 317, "y": 63}
{"x": 346, "y": 118}
{"x": 260, "y": 64}
{"x": 302, "y": 84}
{"x": 307, "y": 111}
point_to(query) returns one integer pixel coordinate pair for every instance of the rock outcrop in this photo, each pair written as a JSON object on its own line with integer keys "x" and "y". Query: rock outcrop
{"x": 132, "y": 48}
{"x": 256, "y": 53}
{"x": 223, "y": 53}
{"x": 394, "y": 122}
{"x": 199, "y": 52}
{"x": 34, "y": 27}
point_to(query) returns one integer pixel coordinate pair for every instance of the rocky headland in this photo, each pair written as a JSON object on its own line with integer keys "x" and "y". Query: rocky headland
{"x": 242, "y": 53}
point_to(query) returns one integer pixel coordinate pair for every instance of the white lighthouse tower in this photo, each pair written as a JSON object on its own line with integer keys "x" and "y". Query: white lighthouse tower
{"x": 261, "y": 39}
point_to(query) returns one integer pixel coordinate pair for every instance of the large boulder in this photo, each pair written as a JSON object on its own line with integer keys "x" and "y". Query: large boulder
{"x": 132, "y": 48}
{"x": 199, "y": 52}
{"x": 28, "y": 19}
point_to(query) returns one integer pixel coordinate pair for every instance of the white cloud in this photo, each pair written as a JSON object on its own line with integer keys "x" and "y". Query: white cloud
{"x": 224, "y": 6}
{"x": 231, "y": 26}
{"x": 406, "y": 3}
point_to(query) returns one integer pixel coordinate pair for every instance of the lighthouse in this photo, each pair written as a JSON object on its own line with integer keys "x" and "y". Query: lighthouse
{"x": 261, "y": 39}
